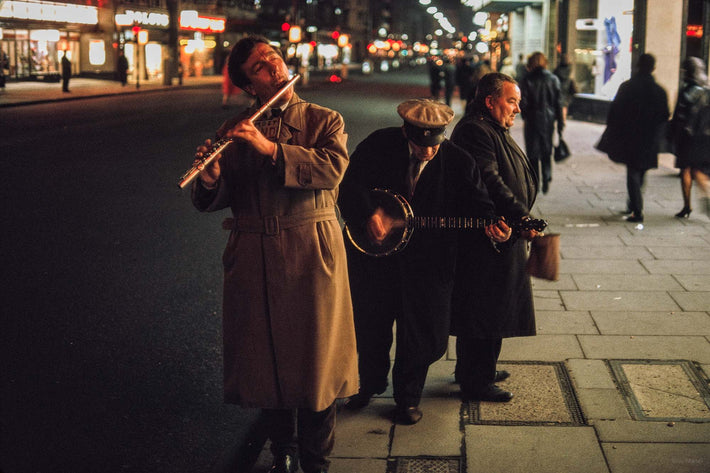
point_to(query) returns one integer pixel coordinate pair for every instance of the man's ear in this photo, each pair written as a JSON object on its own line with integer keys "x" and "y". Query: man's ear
{"x": 489, "y": 102}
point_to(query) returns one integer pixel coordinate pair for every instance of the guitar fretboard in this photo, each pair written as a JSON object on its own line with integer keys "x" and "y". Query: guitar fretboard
{"x": 458, "y": 223}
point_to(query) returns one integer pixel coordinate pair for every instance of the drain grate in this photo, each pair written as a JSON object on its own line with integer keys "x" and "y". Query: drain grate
{"x": 663, "y": 390}
{"x": 425, "y": 465}
{"x": 543, "y": 396}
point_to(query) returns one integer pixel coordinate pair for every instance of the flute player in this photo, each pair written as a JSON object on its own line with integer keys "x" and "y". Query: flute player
{"x": 289, "y": 340}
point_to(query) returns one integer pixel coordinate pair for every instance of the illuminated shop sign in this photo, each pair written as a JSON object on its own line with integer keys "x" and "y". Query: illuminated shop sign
{"x": 131, "y": 17}
{"x": 49, "y": 11}
{"x": 191, "y": 20}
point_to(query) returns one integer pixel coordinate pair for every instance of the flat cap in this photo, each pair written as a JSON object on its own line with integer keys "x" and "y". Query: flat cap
{"x": 425, "y": 120}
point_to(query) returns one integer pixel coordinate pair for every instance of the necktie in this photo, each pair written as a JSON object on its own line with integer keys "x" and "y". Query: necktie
{"x": 415, "y": 168}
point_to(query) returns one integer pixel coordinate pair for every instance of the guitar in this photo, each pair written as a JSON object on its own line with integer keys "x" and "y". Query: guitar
{"x": 397, "y": 208}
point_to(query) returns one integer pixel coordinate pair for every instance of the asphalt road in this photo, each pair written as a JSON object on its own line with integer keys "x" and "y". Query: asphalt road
{"x": 110, "y": 340}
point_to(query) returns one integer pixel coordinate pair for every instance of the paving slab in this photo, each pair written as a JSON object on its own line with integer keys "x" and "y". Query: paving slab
{"x": 693, "y": 282}
{"x": 652, "y": 323}
{"x": 565, "y": 281}
{"x": 357, "y": 465}
{"x": 657, "y": 457}
{"x": 526, "y": 449}
{"x": 590, "y": 239}
{"x": 680, "y": 252}
{"x": 437, "y": 434}
{"x": 626, "y": 282}
{"x": 595, "y": 266}
{"x": 629, "y": 431}
{"x": 547, "y": 300}
{"x": 541, "y": 348}
{"x": 678, "y": 238}
{"x": 692, "y": 300}
{"x": 364, "y": 433}
{"x": 666, "y": 347}
{"x": 600, "y": 252}
{"x": 618, "y": 300}
{"x": 590, "y": 374}
{"x": 677, "y": 266}
{"x": 602, "y": 404}
{"x": 558, "y": 322}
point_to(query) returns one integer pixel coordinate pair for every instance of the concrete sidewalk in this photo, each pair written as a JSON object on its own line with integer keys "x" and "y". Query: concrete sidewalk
{"x": 616, "y": 379}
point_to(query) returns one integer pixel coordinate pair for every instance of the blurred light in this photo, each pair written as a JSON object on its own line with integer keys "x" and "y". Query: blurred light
{"x": 482, "y": 48}
{"x": 294, "y": 34}
{"x": 431, "y": 10}
{"x": 285, "y": 27}
{"x": 334, "y": 78}
{"x": 425, "y": 2}
{"x": 480, "y": 18}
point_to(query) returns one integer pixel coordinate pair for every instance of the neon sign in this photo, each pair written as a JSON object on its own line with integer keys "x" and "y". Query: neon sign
{"x": 131, "y": 17}
{"x": 50, "y": 11}
{"x": 191, "y": 20}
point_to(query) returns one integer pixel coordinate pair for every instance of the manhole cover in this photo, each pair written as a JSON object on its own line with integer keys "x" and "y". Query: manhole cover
{"x": 427, "y": 465}
{"x": 543, "y": 395}
{"x": 663, "y": 390}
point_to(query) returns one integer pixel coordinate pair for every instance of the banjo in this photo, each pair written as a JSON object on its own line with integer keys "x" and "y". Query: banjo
{"x": 395, "y": 207}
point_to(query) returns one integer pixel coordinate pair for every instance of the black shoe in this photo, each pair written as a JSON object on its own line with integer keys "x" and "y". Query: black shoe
{"x": 358, "y": 401}
{"x": 545, "y": 187}
{"x": 501, "y": 375}
{"x": 490, "y": 393}
{"x": 285, "y": 464}
{"x": 635, "y": 218}
{"x": 685, "y": 213}
{"x": 408, "y": 415}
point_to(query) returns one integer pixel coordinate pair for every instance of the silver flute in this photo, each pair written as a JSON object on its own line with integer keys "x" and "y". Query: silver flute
{"x": 219, "y": 145}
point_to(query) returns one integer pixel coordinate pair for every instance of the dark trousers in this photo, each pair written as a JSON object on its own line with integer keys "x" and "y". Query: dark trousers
{"x": 634, "y": 185}
{"x": 377, "y": 304}
{"x": 302, "y": 433}
{"x": 476, "y": 360}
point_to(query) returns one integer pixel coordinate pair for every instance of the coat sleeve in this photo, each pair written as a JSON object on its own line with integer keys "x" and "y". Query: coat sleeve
{"x": 318, "y": 156}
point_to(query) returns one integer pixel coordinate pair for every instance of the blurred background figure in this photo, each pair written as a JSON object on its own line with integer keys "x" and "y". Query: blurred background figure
{"x": 521, "y": 68}
{"x": 66, "y": 72}
{"x": 228, "y": 88}
{"x": 540, "y": 107}
{"x": 449, "y": 70}
{"x": 508, "y": 68}
{"x": 122, "y": 68}
{"x": 464, "y": 71}
{"x": 689, "y": 133}
{"x": 436, "y": 74}
{"x": 568, "y": 87}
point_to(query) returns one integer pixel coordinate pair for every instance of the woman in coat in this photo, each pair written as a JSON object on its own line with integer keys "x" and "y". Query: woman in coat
{"x": 540, "y": 107}
{"x": 691, "y": 144}
{"x": 289, "y": 337}
{"x": 492, "y": 296}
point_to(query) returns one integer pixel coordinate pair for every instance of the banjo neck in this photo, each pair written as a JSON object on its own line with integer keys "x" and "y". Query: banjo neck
{"x": 456, "y": 223}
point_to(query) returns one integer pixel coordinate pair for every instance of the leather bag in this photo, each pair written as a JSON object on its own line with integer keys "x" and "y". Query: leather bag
{"x": 561, "y": 151}
{"x": 544, "y": 259}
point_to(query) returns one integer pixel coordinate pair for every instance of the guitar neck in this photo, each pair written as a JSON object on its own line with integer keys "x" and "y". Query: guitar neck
{"x": 457, "y": 223}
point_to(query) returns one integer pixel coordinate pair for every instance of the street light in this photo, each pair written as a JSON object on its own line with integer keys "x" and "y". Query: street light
{"x": 141, "y": 38}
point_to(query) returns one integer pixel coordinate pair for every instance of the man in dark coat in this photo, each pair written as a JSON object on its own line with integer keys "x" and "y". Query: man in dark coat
{"x": 540, "y": 107}
{"x": 492, "y": 297}
{"x": 634, "y": 127}
{"x": 414, "y": 285}
{"x": 66, "y": 72}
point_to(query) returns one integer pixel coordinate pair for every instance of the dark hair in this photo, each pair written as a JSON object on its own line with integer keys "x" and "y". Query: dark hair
{"x": 537, "y": 60}
{"x": 239, "y": 55}
{"x": 490, "y": 85}
{"x": 646, "y": 64}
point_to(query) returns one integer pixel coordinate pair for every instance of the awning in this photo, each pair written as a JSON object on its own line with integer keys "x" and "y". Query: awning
{"x": 506, "y": 6}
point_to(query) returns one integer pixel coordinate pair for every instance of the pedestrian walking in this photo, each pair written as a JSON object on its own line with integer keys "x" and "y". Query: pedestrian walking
{"x": 492, "y": 296}
{"x": 568, "y": 87}
{"x": 689, "y": 133}
{"x": 541, "y": 109}
{"x": 633, "y": 130}
{"x": 413, "y": 286}
{"x": 289, "y": 338}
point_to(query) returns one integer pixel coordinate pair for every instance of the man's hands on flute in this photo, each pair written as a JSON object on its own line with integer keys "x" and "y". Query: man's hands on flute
{"x": 244, "y": 130}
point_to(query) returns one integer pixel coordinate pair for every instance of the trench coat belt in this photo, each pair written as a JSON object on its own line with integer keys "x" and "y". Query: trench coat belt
{"x": 273, "y": 224}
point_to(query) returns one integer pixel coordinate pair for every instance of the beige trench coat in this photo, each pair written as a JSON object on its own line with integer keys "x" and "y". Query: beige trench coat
{"x": 289, "y": 339}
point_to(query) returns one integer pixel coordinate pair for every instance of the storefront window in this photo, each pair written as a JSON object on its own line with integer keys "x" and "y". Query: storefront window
{"x": 602, "y": 53}
{"x": 97, "y": 52}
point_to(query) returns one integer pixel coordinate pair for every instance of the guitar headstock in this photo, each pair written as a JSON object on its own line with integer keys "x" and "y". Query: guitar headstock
{"x": 532, "y": 224}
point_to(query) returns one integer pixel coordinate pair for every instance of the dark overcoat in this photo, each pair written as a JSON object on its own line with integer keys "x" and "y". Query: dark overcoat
{"x": 540, "y": 107}
{"x": 692, "y": 148}
{"x": 635, "y": 121}
{"x": 493, "y": 297}
{"x": 423, "y": 271}
{"x": 289, "y": 338}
